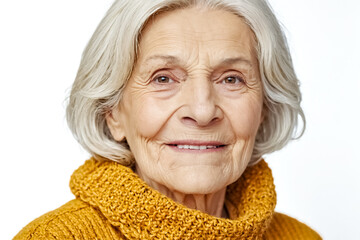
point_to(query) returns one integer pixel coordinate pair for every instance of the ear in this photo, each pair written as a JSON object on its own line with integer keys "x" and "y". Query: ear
{"x": 115, "y": 125}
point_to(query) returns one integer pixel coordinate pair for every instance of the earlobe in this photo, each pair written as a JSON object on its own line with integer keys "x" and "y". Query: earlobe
{"x": 114, "y": 123}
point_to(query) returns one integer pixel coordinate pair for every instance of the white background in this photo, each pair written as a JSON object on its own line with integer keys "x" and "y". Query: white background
{"x": 41, "y": 42}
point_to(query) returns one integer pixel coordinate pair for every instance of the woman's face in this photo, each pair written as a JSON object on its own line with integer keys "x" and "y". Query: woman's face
{"x": 193, "y": 105}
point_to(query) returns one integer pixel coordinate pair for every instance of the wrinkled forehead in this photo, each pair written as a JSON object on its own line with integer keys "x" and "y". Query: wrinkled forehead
{"x": 190, "y": 31}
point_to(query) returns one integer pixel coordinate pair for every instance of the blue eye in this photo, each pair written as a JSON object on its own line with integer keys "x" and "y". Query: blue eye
{"x": 232, "y": 80}
{"x": 163, "y": 80}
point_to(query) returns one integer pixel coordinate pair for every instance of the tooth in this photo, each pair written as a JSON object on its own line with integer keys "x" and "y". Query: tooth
{"x": 196, "y": 147}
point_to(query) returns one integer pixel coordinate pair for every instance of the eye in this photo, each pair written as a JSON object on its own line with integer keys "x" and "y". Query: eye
{"x": 163, "y": 80}
{"x": 232, "y": 80}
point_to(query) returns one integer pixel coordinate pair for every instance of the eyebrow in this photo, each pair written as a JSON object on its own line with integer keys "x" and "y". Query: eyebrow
{"x": 169, "y": 59}
{"x": 166, "y": 58}
{"x": 234, "y": 60}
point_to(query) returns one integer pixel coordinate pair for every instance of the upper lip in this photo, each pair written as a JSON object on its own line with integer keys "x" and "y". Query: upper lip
{"x": 196, "y": 143}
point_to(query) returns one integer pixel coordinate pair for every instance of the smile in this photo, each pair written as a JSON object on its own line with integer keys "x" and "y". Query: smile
{"x": 196, "y": 146}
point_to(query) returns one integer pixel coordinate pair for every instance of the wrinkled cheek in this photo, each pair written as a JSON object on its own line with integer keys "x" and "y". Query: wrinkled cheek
{"x": 245, "y": 125}
{"x": 152, "y": 116}
{"x": 246, "y": 129}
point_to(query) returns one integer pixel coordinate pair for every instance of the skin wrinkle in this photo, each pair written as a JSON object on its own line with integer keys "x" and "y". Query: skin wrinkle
{"x": 172, "y": 61}
{"x": 196, "y": 105}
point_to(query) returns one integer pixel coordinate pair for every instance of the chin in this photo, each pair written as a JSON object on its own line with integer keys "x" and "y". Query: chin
{"x": 202, "y": 180}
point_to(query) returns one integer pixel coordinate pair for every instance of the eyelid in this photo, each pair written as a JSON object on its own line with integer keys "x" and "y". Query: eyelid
{"x": 233, "y": 73}
{"x": 161, "y": 72}
{"x": 235, "y": 76}
{"x": 156, "y": 76}
{"x": 171, "y": 80}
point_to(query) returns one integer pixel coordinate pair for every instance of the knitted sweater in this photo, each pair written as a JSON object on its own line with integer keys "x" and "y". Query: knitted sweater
{"x": 112, "y": 202}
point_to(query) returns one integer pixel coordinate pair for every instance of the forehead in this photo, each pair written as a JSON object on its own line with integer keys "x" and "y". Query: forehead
{"x": 195, "y": 31}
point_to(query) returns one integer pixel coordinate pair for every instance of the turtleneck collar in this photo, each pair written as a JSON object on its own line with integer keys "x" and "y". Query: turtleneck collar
{"x": 141, "y": 212}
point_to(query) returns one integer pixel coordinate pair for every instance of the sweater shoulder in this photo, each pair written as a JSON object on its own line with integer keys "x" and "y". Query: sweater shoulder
{"x": 74, "y": 220}
{"x": 285, "y": 227}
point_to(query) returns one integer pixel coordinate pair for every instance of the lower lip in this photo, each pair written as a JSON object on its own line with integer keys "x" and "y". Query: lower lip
{"x": 208, "y": 150}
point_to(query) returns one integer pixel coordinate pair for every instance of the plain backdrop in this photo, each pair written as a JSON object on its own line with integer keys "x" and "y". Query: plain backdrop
{"x": 41, "y": 42}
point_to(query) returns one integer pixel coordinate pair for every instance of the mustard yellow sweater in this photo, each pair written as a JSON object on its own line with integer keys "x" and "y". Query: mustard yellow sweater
{"x": 112, "y": 202}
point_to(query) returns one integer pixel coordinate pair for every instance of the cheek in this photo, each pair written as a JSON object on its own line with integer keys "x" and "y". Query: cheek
{"x": 245, "y": 118}
{"x": 151, "y": 115}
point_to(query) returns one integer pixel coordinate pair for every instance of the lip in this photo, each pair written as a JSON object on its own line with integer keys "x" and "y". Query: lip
{"x": 212, "y": 146}
{"x": 195, "y": 142}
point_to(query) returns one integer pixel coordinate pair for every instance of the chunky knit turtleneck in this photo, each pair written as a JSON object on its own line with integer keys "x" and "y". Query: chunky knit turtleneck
{"x": 113, "y": 202}
{"x": 143, "y": 213}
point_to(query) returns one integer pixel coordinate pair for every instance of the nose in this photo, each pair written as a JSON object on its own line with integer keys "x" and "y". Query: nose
{"x": 200, "y": 107}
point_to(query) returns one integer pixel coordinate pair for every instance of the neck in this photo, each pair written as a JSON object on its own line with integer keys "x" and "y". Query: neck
{"x": 211, "y": 203}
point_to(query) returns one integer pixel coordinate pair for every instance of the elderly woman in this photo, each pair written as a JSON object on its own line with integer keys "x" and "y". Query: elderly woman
{"x": 177, "y": 100}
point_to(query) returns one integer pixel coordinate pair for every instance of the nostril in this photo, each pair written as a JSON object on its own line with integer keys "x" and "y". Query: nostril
{"x": 201, "y": 114}
{"x": 188, "y": 121}
{"x": 214, "y": 120}
{"x": 192, "y": 122}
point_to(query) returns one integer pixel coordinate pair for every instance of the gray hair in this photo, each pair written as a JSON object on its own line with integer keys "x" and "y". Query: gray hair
{"x": 110, "y": 56}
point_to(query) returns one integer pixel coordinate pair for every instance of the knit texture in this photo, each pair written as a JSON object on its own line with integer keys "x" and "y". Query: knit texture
{"x": 114, "y": 203}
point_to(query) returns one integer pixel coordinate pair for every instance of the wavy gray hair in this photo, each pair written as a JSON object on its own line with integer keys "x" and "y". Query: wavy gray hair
{"x": 110, "y": 56}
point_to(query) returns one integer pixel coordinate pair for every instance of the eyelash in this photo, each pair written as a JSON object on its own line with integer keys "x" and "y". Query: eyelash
{"x": 155, "y": 79}
{"x": 236, "y": 77}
